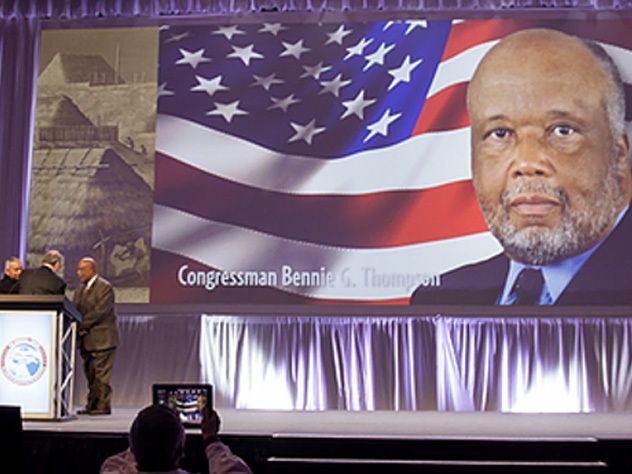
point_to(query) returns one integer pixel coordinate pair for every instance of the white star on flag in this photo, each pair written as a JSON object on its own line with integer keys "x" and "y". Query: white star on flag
{"x": 315, "y": 71}
{"x": 246, "y": 54}
{"x": 334, "y": 85}
{"x": 294, "y": 49}
{"x": 192, "y": 59}
{"x": 358, "y": 48}
{"x": 402, "y": 73}
{"x": 381, "y": 126}
{"x": 176, "y": 38}
{"x": 338, "y": 35}
{"x": 266, "y": 81}
{"x": 305, "y": 132}
{"x": 378, "y": 56}
{"x": 412, "y": 24}
{"x": 283, "y": 104}
{"x": 273, "y": 28}
{"x": 210, "y": 86}
{"x": 163, "y": 91}
{"x": 389, "y": 24}
{"x": 228, "y": 31}
{"x": 357, "y": 106}
{"x": 228, "y": 111}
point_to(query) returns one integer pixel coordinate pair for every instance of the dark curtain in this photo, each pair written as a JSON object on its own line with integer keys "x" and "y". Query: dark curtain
{"x": 18, "y": 52}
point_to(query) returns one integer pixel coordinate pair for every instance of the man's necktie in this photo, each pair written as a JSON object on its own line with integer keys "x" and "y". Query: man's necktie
{"x": 84, "y": 293}
{"x": 528, "y": 287}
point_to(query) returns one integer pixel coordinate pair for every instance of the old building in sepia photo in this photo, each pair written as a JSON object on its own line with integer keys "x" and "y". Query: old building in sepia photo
{"x": 92, "y": 169}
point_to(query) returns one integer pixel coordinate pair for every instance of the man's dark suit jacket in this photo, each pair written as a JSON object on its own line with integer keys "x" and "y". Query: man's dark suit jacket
{"x": 98, "y": 319}
{"x": 9, "y": 286}
{"x": 41, "y": 281}
{"x": 605, "y": 278}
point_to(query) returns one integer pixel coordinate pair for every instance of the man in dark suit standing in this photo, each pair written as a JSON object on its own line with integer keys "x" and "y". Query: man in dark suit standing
{"x": 9, "y": 285}
{"x": 44, "y": 280}
{"x": 98, "y": 335}
{"x": 551, "y": 173}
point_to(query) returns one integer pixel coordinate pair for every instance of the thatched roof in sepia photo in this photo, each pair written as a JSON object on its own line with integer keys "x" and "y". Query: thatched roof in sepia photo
{"x": 80, "y": 68}
{"x": 83, "y": 196}
{"x": 57, "y": 111}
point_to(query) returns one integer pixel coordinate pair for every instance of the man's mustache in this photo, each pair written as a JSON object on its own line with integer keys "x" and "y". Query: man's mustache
{"x": 541, "y": 188}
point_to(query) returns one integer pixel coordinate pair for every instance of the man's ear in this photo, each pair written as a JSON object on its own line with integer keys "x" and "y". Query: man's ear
{"x": 623, "y": 147}
{"x": 622, "y": 151}
{"x": 623, "y": 166}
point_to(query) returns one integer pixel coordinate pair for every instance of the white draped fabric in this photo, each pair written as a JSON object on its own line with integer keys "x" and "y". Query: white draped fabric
{"x": 307, "y": 363}
{"x": 568, "y": 364}
{"x": 446, "y": 363}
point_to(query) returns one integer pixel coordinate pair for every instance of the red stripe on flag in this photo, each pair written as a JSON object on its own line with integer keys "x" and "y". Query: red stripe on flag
{"x": 375, "y": 220}
{"x": 445, "y": 110}
{"x": 471, "y": 33}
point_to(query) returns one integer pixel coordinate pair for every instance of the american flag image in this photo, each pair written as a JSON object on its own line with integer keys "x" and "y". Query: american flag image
{"x": 323, "y": 147}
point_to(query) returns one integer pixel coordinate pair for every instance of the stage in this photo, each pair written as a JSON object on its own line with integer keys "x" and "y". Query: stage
{"x": 383, "y": 424}
{"x": 361, "y": 441}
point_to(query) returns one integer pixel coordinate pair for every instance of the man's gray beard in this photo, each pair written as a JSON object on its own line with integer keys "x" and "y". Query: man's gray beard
{"x": 539, "y": 245}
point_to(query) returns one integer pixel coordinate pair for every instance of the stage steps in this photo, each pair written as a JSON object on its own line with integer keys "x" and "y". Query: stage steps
{"x": 340, "y": 466}
{"x": 333, "y": 455}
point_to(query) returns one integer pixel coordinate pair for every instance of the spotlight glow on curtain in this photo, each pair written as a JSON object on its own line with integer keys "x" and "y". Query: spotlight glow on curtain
{"x": 570, "y": 364}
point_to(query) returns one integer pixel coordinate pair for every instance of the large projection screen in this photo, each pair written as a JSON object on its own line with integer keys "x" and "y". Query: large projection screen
{"x": 300, "y": 162}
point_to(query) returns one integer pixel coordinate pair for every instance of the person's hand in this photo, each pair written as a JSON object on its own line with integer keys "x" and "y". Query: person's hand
{"x": 82, "y": 332}
{"x": 210, "y": 425}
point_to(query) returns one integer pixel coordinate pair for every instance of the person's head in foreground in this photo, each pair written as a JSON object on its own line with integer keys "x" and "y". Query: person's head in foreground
{"x": 157, "y": 439}
{"x": 549, "y": 149}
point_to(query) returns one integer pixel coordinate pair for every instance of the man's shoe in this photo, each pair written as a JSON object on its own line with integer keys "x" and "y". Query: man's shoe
{"x": 84, "y": 411}
{"x": 99, "y": 411}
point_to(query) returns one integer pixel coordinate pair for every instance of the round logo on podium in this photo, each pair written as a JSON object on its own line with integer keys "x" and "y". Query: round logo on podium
{"x": 23, "y": 361}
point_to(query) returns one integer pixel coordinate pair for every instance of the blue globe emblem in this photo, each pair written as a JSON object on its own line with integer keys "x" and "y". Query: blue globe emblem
{"x": 23, "y": 361}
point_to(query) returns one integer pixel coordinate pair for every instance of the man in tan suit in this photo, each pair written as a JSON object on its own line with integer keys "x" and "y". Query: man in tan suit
{"x": 98, "y": 335}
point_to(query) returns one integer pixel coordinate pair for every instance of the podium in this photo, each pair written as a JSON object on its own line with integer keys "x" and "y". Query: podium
{"x": 37, "y": 355}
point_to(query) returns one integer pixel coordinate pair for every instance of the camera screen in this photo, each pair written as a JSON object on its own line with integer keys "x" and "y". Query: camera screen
{"x": 188, "y": 401}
